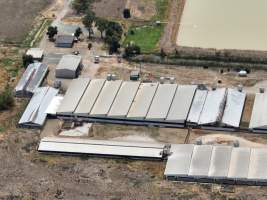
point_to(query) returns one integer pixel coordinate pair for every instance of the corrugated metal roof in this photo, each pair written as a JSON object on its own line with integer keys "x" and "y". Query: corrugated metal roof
{"x": 259, "y": 113}
{"x": 239, "y": 163}
{"x": 257, "y": 167}
{"x": 197, "y": 106}
{"x": 213, "y": 107}
{"x": 73, "y": 95}
{"x": 220, "y": 161}
{"x": 54, "y": 105}
{"x": 34, "y": 114}
{"x": 98, "y": 147}
{"x": 142, "y": 100}
{"x": 124, "y": 99}
{"x": 234, "y": 108}
{"x": 90, "y": 96}
{"x": 200, "y": 161}
{"x": 181, "y": 103}
{"x": 106, "y": 98}
{"x": 162, "y": 101}
{"x": 69, "y": 62}
{"x": 31, "y": 79}
{"x": 179, "y": 161}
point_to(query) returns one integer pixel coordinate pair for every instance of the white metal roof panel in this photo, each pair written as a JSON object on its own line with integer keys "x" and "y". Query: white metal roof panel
{"x": 142, "y": 100}
{"x": 99, "y": 148}
{"x": 181, "y": 103}
{"x": 259, "y": 112}
{"x": 257, "y": 167}
{"x": 213, "y": 107}
{"x": 106, "y": 98}
{"x": 36, "y": 53}
{"x": 200, "y": 162}
{"x": 124, "y": 99}
{"x": 239, "y": 163}
{"x": 73, "y": 95}
{"x": 162, "y": 101}
{"x": 90, "y": 96}
{"x": 54, "y": 105}
{"x": 234, "y": 107}
{"x": 178, "y": 163}
{"x": 220, "y": 161}
{"x": 197, "y": 106}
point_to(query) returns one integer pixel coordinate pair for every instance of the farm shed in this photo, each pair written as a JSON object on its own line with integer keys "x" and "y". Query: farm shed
{"x": 64, "y": 41}
{"x": 258, "y": 121}
{"x": 69, "y": 66}
{"x": 35, "y": 113}
{"x": 101, "y": 148}
{"x": 73, "y": 96}
{"x": 36, "y": 53}
{"x": 181, "y": 104}
{"x": 235, "y": 103}
{"x": 31, "y": 79}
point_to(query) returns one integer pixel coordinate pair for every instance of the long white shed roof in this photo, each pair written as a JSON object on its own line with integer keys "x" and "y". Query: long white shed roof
{"x": 239, "y": 164}
{"x": 106, "y": 98}
{"x": 142, "y": 101}
{"x": 220, "y": 161}
{"x": 200, "y": 161}
{"x": 90, "y": 96}
{"x": 162, "y": 101}
{"x": 234, "y": 107}
{"x": 124, "y": 99}
{"x": 181, "y": 103}
{"x": 101, "y": 147}
{"x": 213, "y": 107}
{"x": 197, "y": 106}
{"x": 259, "y": 113}
{"x": 179, "y": 161}
{"x": 73, "y": 95}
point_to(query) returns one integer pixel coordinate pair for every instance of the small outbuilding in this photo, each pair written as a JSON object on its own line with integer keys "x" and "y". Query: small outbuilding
{"x": 64, "y": 41}
{"x": 36, "y": 53}
{"x": 69, "y": 66}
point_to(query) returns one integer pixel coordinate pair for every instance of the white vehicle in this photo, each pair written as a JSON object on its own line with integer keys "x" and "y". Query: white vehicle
{"x": 97, "y": 59}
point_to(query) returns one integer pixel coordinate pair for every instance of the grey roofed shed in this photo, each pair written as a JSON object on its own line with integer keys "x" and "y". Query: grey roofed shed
{"x": 178, "y": 163}
{"x": 69, "y": 66}
{"x": 101, "y": 147}
{"x": 31, "y": 79}
{"x": 239, "y": 164}
{"x": 73, "y": 96}
{"x": 36, "y": 53}
{"x": 34, "y": 114}
{"x": 213, "y": 107}
{"x": 257, "y": 167}
{"x": 234, "y": 108}
{"x": 64, "y": 41}
{"x": 124, "y": 99}
{"x": 161, "y": 102}
{"x": 259, "y": 113}
{"x": 199, "y": 167}
{"x": 181, "y": 103}
{"x": 220, "y": 161}
{"x": 89, "y": 98}
{"x": 197, "y": 106}
{"x": 142, "y": 101}
{"x": 106, "y": 98}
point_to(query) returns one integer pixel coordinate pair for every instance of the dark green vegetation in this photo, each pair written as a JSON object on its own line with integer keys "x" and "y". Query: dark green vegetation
{"x": 6, "y": 99}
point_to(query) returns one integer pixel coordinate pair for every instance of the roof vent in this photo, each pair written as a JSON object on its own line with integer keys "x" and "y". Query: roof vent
{"x": 262, "y": 90}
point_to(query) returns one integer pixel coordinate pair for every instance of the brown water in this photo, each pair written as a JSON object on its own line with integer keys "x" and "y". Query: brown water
{"x": 224, "y": 24}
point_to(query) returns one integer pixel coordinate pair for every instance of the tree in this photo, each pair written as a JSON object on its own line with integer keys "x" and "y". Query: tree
{"x": 114, "y": 43}
{"x": 88, "y": 20}
{"x": 81, "y": 6}
{"x": 6, "y": 98}
{"x": 101, "y": 25}
{"x": 78, "y": 32}
{"x": 126, "y": 13}
{"x": 51, "y": 32}
{"x": 162, "y": 53}
{"x": 131, "y": 50}
{"x": 27, "y": 59}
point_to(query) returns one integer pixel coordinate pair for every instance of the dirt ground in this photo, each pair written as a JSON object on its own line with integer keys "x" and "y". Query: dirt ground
{"x": 17, "y": 17}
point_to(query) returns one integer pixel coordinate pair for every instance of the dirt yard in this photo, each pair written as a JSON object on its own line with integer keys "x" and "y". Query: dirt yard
{"x": 17, "y": 17}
